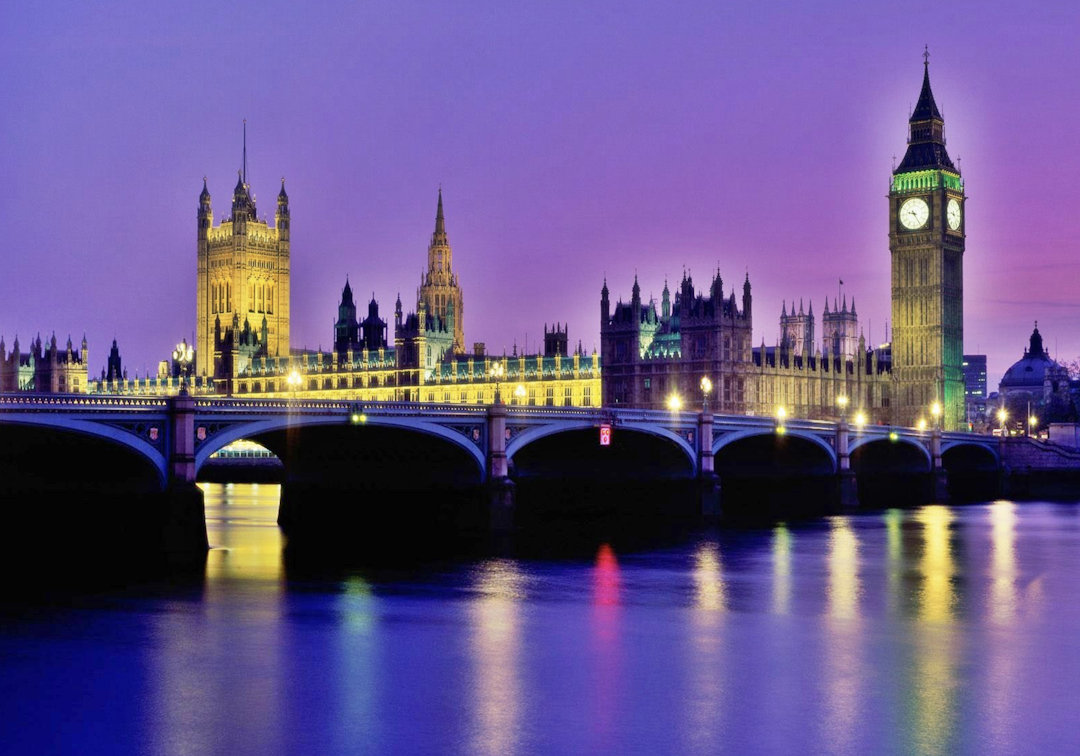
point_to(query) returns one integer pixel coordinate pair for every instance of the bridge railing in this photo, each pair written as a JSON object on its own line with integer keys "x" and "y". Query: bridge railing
{"x": 23, "y": 402}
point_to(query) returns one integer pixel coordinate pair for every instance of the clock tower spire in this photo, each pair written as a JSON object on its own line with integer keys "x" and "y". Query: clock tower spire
{"x": 926, "y": 242}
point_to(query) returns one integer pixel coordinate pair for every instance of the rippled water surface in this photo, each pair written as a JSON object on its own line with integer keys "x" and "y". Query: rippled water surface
{"x": 930, "y": 631}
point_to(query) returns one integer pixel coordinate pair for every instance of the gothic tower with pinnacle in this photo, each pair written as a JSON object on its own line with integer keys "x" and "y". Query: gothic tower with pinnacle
{"x": 243, "y": 271}
{"x": 926, "y": 241}
{"x": 439, "y": 290}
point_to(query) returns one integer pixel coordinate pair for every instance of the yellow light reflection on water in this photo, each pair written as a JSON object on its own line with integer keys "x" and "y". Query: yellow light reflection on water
{"x": 708, "y": 578}
{"x": 843, "y": 671}
{"x": 933, "y": 691}
{"x": 781, "y": 569}
{"x": 495, "y": 643}
{"x": 1003, "y": 596}
{"x": 937, "y": 596}
{"x": 843, "y": 590}
{"x": 245, "y": 540}
{"x": 705, "y": 704}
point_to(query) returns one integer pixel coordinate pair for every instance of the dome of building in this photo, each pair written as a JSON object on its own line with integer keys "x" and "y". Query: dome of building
{"x": 1029, "y": 372}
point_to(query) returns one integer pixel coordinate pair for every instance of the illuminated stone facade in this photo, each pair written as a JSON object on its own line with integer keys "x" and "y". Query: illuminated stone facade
{"x": 243, "y": 276}
{"x": 926, "y": 239}
{"x": 45, "y": 369}
{"x": 653, "y": 357}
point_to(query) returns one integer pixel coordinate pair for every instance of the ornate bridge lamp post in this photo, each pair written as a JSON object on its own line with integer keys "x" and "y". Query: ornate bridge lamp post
{"x": 709, "y": 480}
{"x": 497, "y": 372}
{"x": 939, "y": 481}
{"x": 182, "y": 356}
{"x": 519, "y": 393}
{"x": 849, "y": 489}
{"x": 500, "y": 487}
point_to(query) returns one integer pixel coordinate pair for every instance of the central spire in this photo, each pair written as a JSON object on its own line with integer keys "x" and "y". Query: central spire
{"x": 243, "y": 165}
{"x": 440, "y": 221}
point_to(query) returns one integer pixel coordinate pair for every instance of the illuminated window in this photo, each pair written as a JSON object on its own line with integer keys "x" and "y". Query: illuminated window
{"x": 549, "y": 396}
{"x": 568, "y": 396}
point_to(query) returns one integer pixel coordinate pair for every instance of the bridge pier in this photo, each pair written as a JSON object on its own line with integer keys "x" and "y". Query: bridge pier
{"x": 847, "y": 483}
{"x": 708, "y": 480}
{"x": 939, "y": 477}
{"x": 501, "y": 495}
{"x": 184, "y": 522}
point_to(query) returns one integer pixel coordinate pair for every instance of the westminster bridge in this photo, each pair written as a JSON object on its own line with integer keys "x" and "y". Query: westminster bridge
{"x": 157, "y": 445}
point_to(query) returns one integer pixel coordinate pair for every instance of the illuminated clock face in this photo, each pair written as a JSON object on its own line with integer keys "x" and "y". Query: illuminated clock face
{"x": 952, "y": 213}
{"x": 914, "y": 213}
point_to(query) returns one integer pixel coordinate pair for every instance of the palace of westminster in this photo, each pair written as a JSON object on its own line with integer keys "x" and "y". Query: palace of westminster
{"x": 649, "y": 351}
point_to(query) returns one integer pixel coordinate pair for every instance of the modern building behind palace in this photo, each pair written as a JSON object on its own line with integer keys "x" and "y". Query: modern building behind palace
{"x": 654, "y": 354}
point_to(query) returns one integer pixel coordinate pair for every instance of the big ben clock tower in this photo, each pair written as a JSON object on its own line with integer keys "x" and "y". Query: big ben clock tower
{"x": 926, "y": 241}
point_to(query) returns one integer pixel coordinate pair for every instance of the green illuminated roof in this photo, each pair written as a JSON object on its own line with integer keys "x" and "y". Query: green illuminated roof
{"x": 920, "y": 180}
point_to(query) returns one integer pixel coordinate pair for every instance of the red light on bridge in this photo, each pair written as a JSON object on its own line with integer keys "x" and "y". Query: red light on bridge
{"x": 605, "y": 435}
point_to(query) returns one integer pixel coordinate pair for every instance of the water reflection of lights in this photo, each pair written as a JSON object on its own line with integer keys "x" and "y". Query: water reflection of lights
{"x": 708, "y": 578}
{"x": 781, "y": 569}
{"x": 495, "y": 619}
{"x": 937, "y": 597}
{"x": 246, "y": 542}
{"x": 1003, "y": 597}
{"x": 934, "y": 686}
{"x": 705, "y": 704}
{"x": 1002, "y": 709}
{"x": 244, "y": 577}
{"x": 606, "y": 625}
{"x": 843, "y": 570}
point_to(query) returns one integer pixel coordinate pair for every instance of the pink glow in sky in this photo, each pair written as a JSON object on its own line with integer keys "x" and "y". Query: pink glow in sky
{"x": 571, "y": 139}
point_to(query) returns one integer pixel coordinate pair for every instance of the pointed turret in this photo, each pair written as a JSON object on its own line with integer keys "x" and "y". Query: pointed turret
{"x": 204, "y": 195}
{"x": 746, "y": 298}
{"x": 926, "y": 132}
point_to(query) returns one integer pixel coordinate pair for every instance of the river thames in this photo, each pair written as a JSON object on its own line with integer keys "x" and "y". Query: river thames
{"x": 933, "y": 630}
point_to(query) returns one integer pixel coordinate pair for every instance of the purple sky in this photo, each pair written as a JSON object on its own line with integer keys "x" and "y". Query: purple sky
{"x": 571, "y": 139}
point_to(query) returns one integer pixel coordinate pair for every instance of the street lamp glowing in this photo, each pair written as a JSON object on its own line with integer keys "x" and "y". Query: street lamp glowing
{"x": 183, "y": 355}
{"x": 294, "y": 380}
{"x": 1002, "y": 416}
{"x": 935, "y": 410}
{"x": 921, "y": 425}
{"x": 706, "y": 385}
{"x": 860, "y": 419}
{"x": 519, "y": 392}
{"x": 894, "y": 436}
{"x": 781, "y": 413}
{"x": 841, "y": 401}
{"x": 674, "y": 403}
{"x": 497, "y": 372}
{"x": 1033, "y": 421}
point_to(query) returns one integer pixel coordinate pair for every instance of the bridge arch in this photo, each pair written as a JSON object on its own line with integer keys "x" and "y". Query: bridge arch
{"x": 731, "y": 438}
{"x": 117, "y": 437}
{"x": 254, "y": 429}
{"x": 984, "y": 451}
{"x": 766, "y": 474}
{"x": 905, "y": 442}
{"x": 534, "y": 434}
{"x": 972, "y": 470}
